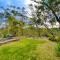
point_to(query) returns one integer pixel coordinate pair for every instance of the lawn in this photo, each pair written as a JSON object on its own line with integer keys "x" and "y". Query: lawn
{"x": 29, "y": 49}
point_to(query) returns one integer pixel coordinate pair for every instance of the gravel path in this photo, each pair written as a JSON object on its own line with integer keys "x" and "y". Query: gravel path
{"x": 4, "y": 41}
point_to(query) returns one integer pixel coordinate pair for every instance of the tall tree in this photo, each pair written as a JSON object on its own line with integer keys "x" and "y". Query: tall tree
{"x": 37, "y": 17}
{"x": 52, "y": 6}
{"x": 42, "y": 12}
{"x": 14, "y": 25}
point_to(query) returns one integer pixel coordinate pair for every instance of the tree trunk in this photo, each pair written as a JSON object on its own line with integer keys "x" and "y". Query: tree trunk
{"x": 38, "y": 30}
{"x": 59, "y": 25}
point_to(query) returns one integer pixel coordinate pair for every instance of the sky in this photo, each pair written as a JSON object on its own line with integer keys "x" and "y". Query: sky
{"x": 19, "y": 3}
{"x": 16, "y": 3}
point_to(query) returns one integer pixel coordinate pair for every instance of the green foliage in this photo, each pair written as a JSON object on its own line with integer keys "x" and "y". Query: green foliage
{"x": 56, "y": 38}
{"x": 15, "y": 27}
{"x": 58, "y": 49}
{"x": 52, "y": 38}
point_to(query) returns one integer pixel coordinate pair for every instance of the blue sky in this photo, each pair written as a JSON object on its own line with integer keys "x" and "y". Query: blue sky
{"x": 19, "y": 3}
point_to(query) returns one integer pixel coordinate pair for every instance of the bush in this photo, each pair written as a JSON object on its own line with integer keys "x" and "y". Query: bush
{"x": 58, "y": 49}
{"x": 56, "y": 38}
{"x": 52, "y": 38}
{"x": 48, "y": 35}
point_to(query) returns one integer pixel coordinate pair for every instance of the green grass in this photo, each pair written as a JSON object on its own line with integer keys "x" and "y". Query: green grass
{"x": 58, "y": 49}
{"x": 28, "y": 49}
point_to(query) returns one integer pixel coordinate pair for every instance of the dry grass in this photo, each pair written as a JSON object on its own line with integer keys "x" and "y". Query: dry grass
{"x": 47, "y": 51}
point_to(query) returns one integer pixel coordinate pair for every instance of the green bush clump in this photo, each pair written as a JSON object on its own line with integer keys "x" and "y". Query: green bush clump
{"x": 58, "y": 49}
{"x": 44, "y": 33}
{"x": 55, "y": 38}
{"x": 52, "y": 38}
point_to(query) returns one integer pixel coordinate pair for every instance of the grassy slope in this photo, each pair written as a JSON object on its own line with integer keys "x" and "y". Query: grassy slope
{"x": 28, "y": 49}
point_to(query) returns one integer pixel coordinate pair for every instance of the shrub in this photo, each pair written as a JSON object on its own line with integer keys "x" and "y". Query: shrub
{"x": 48, "y": 35}
{"x": 52, "y": 38}
{"x": 56, "y": 38}
{"x": 58, "y": 49}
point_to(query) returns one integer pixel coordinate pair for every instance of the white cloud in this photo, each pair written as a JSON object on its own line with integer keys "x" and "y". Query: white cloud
{"x": 9, "y": 2}
{"x": 27, "y": 2}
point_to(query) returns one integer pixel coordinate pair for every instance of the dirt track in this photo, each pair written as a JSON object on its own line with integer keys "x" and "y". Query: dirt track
{"x": 4, "y": 41}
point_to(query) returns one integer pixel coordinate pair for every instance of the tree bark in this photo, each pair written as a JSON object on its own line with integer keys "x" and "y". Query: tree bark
{"x": 59, "y": 25}
{"x": 38, "y": 30}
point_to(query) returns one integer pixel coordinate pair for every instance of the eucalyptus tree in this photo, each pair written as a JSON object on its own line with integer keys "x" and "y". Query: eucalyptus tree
{"x": 20, "y": 24}
{"x": 37, "y": 15}
{"x": 11, "y": 13}
{"x": 44, "y": 11}
{"x": 52, "y": 22}
{"x": 52, "y": 6}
